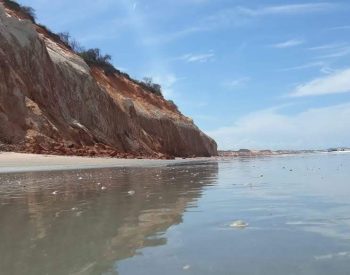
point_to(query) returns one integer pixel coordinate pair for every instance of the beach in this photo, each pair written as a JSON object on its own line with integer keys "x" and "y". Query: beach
{"x": 285, "y": 214}
{"x": 17, "y": 162}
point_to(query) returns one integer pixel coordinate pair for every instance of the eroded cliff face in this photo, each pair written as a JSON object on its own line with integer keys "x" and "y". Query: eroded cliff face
{"x": 51, "y": 101}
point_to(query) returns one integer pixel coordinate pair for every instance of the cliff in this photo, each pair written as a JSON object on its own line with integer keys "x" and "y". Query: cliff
{"x": 52, "y": 102}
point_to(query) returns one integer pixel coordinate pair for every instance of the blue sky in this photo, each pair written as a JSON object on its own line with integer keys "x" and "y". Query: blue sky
{"x": 252, "y": 74}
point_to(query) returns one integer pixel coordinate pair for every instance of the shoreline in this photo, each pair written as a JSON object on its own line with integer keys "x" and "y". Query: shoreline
{"x": 11, "y": 162}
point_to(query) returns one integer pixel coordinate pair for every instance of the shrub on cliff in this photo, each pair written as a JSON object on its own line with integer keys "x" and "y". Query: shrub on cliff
{"x": 28, "y": 12}
{"x": 172, "y": 103}
{"x": 56, "y": 36}
{"x": 94, "y": 57}
{"x": 148, "y": 84}
{"x": 70, "y": 42}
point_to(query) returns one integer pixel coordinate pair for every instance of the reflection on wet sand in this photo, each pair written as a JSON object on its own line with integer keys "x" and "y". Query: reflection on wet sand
{"x": 84, "y": 222}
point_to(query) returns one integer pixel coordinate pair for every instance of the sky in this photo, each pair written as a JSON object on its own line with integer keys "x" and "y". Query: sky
{"x": 250, "y": 73}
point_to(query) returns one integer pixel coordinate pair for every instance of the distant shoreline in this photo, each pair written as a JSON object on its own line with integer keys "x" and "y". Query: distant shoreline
{"x": 257, "y": 153}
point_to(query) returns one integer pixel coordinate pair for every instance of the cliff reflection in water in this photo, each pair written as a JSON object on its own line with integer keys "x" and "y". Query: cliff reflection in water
{"x": 83, "y": 222}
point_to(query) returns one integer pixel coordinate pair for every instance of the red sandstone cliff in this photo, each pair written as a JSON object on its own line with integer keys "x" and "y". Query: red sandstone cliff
{"x": 51, "y": 101}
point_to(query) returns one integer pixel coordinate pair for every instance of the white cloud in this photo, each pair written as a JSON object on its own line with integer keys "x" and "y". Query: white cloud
{"x": 289, "y": 9}
{"x": 202, "y": 58}
{"x": 327, "y": 47}
{"x": 241, "y": 15}
{"x": 338, "y": 52}
{"x": 270, "y": 129}
{"x": 171, "y": 36}
{"x": 304, "y": 66}
{"x": 323, "y": 67}
{"x": 232, "y": 84}
{"x": 288, "y": 44}
{"x": 332, "y": 50}
{"x": 338, "y": 82}
{"x": 346, "y": 27}
{"x": 195, "y": 1}
{"x": 236, "y": 17}
{"x": 327, "y": 70}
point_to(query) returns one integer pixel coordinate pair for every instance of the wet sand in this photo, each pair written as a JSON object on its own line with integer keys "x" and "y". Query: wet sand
{"x": 265, "y": 215}
{"x": 16, "y": 162}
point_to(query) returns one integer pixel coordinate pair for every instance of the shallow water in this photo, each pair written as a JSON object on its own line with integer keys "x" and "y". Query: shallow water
{"x": 176, "y": 220}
